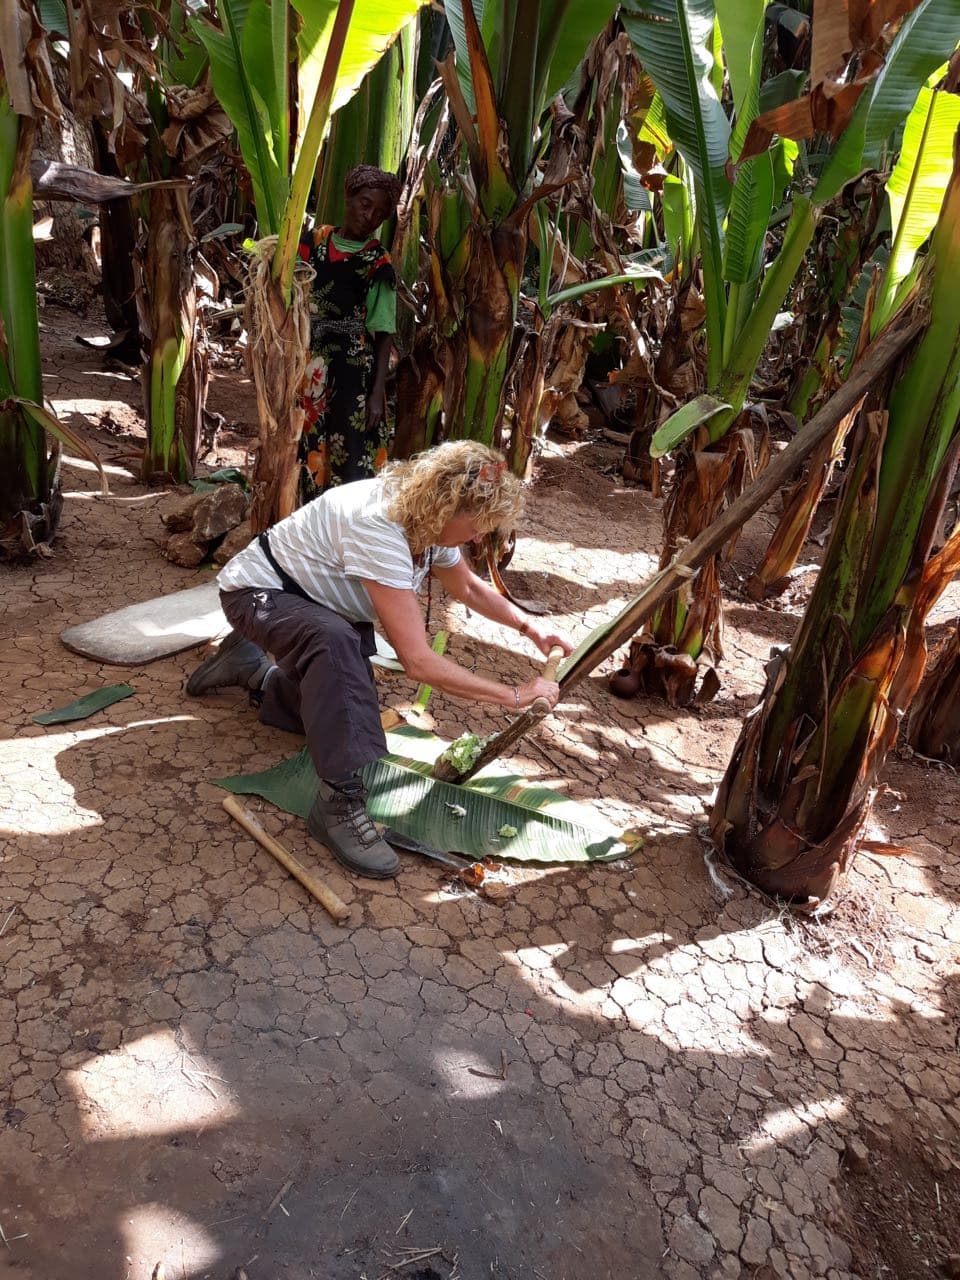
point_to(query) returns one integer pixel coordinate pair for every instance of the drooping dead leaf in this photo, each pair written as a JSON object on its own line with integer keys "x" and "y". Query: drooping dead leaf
{"x": 55, "y": 181}
{"x": 850, "y": 42}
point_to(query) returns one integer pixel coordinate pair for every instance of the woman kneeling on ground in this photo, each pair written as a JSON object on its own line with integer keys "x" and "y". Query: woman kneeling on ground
{"x": 309, "y": 592}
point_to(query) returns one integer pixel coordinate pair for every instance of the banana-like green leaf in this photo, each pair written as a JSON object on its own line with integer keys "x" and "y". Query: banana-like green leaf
{"x": 53, "y": 16}
{"x": 741, "y": 27}
{"x": 741, "y": 23}
{"x": 654, "y": 127}
{"x": 783, "y": 156}
{"x": 673, "y": 40}
{"x": 83, "y": 707}
{"x": 684, "y": 422}
{"x": 373, "y": 28}
{"x": 677, "y": 206}
{"x": 638, "y": 273}
{"x": 565, "y": 29}
{"x": 243, "y": 67}
{"x": 465, "y": 819}
{"x": 547, "y": 41}
{"x": 54, "y": 427}
{"x": 372, "y": 128}
{"x": 635, "y": 195}
{"x": 740, "y": 362}
{"x": 852, "y": 312}
{"x": 748, "y": 220}
{"x": 780, "y": 89}
{"x": 453, "y": 9}
{"x": 924, "y": 410}
{"x": 926, "y": 38}
{"x": 916, "y": 188}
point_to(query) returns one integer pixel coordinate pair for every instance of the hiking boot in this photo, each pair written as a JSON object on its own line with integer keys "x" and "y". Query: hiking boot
{"x": 237, "y": 661}
{"x": 339, "y": 820}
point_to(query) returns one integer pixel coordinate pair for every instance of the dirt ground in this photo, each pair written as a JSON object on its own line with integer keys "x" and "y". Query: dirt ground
{"x": 623, "y": 1071}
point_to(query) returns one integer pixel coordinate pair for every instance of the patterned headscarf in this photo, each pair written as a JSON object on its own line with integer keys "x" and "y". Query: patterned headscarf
{"x": 369, "y": 176}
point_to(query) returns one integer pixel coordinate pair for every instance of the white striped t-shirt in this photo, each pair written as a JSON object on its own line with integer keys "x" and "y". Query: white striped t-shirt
{"x": 331, "y": 543}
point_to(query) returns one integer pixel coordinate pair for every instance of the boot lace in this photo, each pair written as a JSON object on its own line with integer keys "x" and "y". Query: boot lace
{"x": 354, "y": 811}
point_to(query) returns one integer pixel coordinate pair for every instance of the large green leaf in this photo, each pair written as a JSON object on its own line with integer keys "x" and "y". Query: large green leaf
{"x": 567, "y": 29}
{"x": 740, "y": 363}
{"x": 924, "y": 411}
{"x": 53, "y": 15}
{"x": 373, "y": 127}
{"x": 677, "y": 206}
{"x": 781, "y": 88}
{"x": 540, "y": 65}
{"x": 465, "y": 819}
{"x": 673, "y": 40}
{"x": 684, "y": 422}
{"x": 916, "y": 187}
{"x": 243, "y": 68}
{"x": 373, "y": 28}
{"x": 853, "y": 309}
{"x": 926, "y": 38}
{"x": 453, "y": 9}
{"x": 741, "y": 27}
{"x": 748, "y": 220}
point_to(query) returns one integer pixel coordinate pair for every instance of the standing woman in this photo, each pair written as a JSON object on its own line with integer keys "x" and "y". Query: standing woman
{"x": 353, "y": 315}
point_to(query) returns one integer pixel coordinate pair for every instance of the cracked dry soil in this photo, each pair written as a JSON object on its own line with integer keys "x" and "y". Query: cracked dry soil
{"x": 199, "y": 1068}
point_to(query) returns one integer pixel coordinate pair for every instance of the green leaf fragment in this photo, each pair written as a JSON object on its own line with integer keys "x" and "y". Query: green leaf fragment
{"x": 87, "y": 705}
{"x": 684, "y": 422}
{"x": 226, "y": 475}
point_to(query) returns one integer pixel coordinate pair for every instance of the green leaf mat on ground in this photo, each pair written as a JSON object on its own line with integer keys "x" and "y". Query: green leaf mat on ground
{"x": 87, "y": 705}
{"x": 463, "y": 819}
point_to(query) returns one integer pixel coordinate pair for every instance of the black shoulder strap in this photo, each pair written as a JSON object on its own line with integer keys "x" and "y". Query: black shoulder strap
{"x": 287, "y": 583}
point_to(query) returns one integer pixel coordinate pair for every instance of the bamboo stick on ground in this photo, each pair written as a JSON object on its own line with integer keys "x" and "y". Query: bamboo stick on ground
{"x": 331, "y": 903}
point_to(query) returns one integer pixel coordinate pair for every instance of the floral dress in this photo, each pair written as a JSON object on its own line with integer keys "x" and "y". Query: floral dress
{"x": 352, "y": 296}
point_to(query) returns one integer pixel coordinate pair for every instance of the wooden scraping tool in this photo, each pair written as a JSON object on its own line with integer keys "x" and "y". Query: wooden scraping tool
{"x": 444, "y": 771}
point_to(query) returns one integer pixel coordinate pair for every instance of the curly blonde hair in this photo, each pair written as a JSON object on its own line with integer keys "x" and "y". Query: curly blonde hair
{"x": 459, "y": 477}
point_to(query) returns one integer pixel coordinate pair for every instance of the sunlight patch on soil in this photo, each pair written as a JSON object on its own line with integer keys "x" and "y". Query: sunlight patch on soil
{"x": 81, "y": 464}
{"x": 152, "y": 1231}
{"x": 150, "y": 1086}
{"x": 469, "y": 1078}
{"x": 612, "y": 567}
{"x": 31, "y": 772}
{"x": 781, "y": 1124}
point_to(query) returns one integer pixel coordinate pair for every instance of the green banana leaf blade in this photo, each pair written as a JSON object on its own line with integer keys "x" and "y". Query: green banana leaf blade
{"x": 458, "y": 819}
{"x": 87, "y": 705}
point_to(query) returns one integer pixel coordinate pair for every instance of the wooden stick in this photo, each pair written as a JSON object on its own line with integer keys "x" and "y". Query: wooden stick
{"x": 875, "y": 360}
{"x": 540, "y": 707}
{"x": 333, "y": 905}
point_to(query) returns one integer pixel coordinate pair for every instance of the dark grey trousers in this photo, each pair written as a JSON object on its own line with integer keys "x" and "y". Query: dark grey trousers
{"x": 324, "y": 687}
